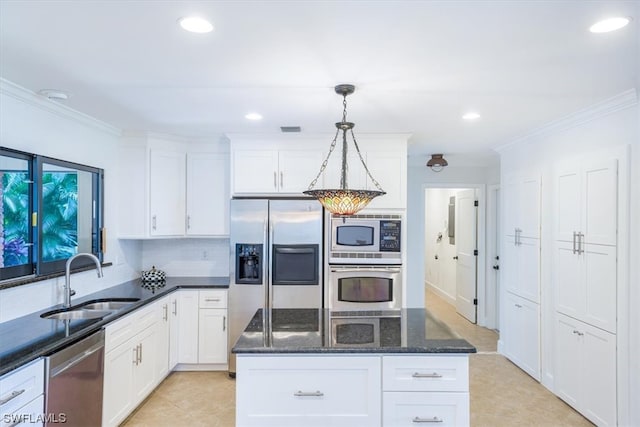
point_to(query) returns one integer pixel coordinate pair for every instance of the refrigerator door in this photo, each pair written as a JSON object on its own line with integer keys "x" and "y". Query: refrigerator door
{"x": 295, "y": 254}
{"x": 248, "y": 230}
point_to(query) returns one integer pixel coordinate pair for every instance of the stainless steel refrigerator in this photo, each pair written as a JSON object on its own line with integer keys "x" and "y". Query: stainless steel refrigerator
{"x": 276, "y": 259}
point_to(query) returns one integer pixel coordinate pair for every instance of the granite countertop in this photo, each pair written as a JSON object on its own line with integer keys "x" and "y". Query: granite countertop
{"x": 29, "y": 337}
{"x": 412, "y": 330}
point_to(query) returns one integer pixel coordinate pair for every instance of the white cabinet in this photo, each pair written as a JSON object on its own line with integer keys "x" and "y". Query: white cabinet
{"x": 521, "y": 329}
{"x": 130, "y": 366}
{"x": 274, "y": 171}
{"x": 167, "y": 192}
{"x": 202, "y": 330}
{"x": 389, "y": 168}
{"x": 212, "y": 327}
{"x": 172, "y": 189}
{"x": 22, "y": 395}
{"x": 521, "y": 197}
{"x": 308, "y": 391}
{"x": 585, "y": 369}
{"x": 207, "y": 193}
{"x": 425, "y": 389}
{"x": 520, "y": 266}
{"x": 585, "y": 249}
{"x": 164, "y": 338}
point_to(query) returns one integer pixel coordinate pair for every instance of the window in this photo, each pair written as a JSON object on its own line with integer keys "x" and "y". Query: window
{"x": 51, "y": 210}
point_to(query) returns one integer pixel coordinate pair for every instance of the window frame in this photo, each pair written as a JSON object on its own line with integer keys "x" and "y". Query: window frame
{"x": 37, "y": 267}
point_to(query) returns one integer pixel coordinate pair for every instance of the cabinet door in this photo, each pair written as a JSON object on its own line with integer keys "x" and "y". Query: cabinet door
{"x": 529, "y": 206}
{"x": 599, "y": 375}
{"x": 528, "y": 267}
{"x": 569, "y": 279}
{"x": 522, "y": 343}
{"x": 173, "y": 330}
{"x": 207, "y": 194}
{"x": 510, "y": 202}
{"x": 255, "y": 171}
{"x": 188, "y": 327}
{"x": 355, "y": 171}
{"x": 568, "y": 201}
{"x": 509, "y": 264}
{"x": 567, "y": 361}
{"x": 162, "y": 349}
{"x": 297, "y": 169}
{"x": 599, "y": 289}
{"x": 117, "y": 400}
{"x": 167, "y": 193}
{"x": 144, "y": 373}
{"x": 389, "y": 169}
{"x": 212, "y": 336}
{"x": 600, "y": 202}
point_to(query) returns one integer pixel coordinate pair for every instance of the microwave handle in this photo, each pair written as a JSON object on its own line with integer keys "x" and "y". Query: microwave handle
{"x": 360, "y": 270}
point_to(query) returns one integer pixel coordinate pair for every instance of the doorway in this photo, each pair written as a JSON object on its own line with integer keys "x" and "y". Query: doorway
{"x": 457, "y": 249}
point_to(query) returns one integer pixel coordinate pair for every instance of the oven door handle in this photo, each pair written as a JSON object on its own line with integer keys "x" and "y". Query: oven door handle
{"x": 367, "y": 269}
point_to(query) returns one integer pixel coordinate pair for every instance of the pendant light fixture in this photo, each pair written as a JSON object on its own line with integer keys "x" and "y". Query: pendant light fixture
{"x": 344, "y": 200}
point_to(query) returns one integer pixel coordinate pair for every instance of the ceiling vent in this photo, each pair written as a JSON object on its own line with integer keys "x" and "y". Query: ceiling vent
{"x": 290, "y": 129}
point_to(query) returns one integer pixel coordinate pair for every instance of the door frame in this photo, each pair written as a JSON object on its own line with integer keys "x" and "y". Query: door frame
{"x": 481, "y": 194}
{"x": 493, "y": 249}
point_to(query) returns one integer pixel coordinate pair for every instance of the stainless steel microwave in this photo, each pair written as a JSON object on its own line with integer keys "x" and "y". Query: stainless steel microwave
{"x": 366, "y": 239}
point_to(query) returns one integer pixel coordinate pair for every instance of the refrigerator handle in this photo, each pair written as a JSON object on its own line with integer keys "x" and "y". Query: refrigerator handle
{"x": 265, "y": 261}
{"x": 269, "y": 287}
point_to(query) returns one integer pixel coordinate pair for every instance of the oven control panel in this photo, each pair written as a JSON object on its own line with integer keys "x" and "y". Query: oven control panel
{"x": 390, "y": 236}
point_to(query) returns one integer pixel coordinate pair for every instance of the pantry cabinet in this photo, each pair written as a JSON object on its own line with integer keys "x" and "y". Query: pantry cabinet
{"x": 586, "y": 369}
{"x": 522, "y": 205}
{"x": 520, "y": 266}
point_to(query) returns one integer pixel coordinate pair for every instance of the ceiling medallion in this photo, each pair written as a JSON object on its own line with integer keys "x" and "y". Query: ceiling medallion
{"x": 344, "y": 200}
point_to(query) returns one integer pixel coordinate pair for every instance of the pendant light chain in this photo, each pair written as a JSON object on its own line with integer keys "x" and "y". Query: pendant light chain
{"x": 326, "y": 159}
{"x": 364, "y": 164}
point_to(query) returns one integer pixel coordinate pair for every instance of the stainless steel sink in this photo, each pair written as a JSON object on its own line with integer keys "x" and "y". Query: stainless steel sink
{"x": 75, "y": 314}
{"x": 106, "y": 305}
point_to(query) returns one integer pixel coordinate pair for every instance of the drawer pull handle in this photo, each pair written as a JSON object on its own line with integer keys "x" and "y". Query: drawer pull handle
{"x": 12, "y": 396}
{"x": 300, "y": 393}
{"x": 212, "y": 299}
{"x": 432, "y": 375}
{"x": 426, "y": 420}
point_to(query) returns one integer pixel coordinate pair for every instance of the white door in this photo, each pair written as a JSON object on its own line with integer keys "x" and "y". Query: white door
{"x": 466, "y": 266}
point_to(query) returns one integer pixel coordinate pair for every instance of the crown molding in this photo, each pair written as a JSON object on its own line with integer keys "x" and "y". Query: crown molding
{"x": 622, "y": 101}
{"x": 29, "y": 97}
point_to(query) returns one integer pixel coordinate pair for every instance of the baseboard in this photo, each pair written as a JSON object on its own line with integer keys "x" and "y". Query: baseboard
{"x": 183, "y": 367}
{"x": 442, "y": 294}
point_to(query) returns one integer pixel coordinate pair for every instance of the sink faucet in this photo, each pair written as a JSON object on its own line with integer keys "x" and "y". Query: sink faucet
{"x": 67, "y": 275}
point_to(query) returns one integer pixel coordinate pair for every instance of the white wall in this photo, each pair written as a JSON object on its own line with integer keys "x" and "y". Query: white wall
{"x": 440, "y": 273}
{"x": 611, "y": 126}
{"x": 460, "y": 174}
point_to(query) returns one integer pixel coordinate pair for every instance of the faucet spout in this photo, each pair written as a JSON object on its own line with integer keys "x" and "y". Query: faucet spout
{"x": 67, "y": 275}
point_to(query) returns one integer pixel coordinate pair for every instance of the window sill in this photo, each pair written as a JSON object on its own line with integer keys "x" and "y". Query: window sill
{"x": 25, "y": 280}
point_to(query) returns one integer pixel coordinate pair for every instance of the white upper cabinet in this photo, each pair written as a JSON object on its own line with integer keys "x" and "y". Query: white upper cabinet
{"x": 270, "y": 166}
{"x": 274, "y": 171}
{"x": 207, "y": 193}
{"x": 172, "y": 189}
{"x": 587, "y": 201}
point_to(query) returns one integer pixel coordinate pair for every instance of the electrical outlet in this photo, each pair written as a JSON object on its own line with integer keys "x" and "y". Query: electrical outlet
{"x": 205, "y": 255}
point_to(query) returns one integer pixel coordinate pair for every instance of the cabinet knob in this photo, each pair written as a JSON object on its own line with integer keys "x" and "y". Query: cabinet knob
{"x": 455, "y": 257}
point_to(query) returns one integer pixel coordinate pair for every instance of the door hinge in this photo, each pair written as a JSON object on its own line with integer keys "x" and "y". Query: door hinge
{"x": 475, "y": 252}
{"x": 475, "y": 301}
{"x": 475, "y": 203}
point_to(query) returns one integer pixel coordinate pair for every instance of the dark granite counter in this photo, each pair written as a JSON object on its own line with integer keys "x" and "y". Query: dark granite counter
{"x": 26, "y": 338}
{"x": 412, "y": 330}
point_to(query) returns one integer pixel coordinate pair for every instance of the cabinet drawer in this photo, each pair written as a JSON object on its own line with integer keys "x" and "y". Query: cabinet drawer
{"x": 122, "y": 329}
{"x": 213, "y": 299}
{"x": 21, "y": 386}
{"x": 425, "y": 408}
{"x": 309, "y": 391}
{"x": 425, "y": 373}
{"x": 28, "y": 415}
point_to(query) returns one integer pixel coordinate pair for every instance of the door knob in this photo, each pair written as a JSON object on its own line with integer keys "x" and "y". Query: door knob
{"x": 455, "y": 257}
{"x": 496, "y": 267}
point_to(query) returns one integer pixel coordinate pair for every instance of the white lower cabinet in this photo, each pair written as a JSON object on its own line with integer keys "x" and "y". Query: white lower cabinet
{"x": 586, "y": 369}
{"x": 338, "y": 390}
{"x": 22, "y": 396}
{"x": 521, "y": 329}
{"x": 130, "y": 366}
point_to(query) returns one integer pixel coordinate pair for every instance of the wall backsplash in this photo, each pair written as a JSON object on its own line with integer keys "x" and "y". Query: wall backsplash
{"x": 187, "y": 257}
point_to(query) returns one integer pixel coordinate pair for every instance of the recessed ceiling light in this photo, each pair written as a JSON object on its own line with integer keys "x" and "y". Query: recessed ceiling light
{"x": 54, "y": 94}
{"x": 610, "y": 24}
{"x": 253, "y": 116}
{"x": 471, "y": 115}
{"x": 196, "y": 24}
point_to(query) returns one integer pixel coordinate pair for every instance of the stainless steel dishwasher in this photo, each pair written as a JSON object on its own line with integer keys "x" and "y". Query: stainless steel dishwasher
{"x": 74, "y": 383}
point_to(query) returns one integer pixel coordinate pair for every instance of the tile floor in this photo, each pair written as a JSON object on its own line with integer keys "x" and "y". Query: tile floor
{"x": 501, "y": 394}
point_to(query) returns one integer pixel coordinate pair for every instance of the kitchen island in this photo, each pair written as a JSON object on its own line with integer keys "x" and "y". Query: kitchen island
{"x": 310, "y": 367}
